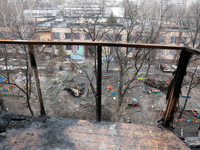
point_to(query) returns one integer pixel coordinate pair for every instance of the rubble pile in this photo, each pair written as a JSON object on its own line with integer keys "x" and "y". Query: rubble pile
{"x": 158, "y": 84}
{"x": 76, "y": 90}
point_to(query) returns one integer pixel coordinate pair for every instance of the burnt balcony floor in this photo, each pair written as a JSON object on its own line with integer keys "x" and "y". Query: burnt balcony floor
{"x": 26, "y": 132}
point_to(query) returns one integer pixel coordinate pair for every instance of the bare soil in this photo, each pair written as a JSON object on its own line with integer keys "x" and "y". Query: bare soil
{"x": 60, "y": 103}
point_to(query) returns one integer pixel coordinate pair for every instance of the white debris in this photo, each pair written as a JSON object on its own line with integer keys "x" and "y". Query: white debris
{"x": 2, "y": 59}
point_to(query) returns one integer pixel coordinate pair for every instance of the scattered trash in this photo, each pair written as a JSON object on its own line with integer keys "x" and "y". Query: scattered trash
{"x": 158, "y": 84}
{"x": 83, "y": 103}
{"x": 185, "y": 96}
{"x": 199, "y": 115}
{"x": 181, "y": 132}
{"x": 155, "y": 91}
{"x": 140, "y": 78}
{"x": 182, "y": 120}
{"x": 188, "y": 121}
{"x": 193, "y": 112}
{"x": 76, "y": 90}
{"x": 128, "y": 121}
{"x": 160, "y": 112}
{"x": 167, "y": 68}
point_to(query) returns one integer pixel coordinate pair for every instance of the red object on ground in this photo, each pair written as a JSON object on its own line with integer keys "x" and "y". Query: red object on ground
{"x": 181, "y": 120}
{"x": 193, "y": 112}
{"x": 12, "y": 86}
{"x": 138, "y": 104}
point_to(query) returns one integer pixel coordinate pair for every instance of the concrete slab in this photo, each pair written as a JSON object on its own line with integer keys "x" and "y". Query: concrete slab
{"x": 25, "y": 132}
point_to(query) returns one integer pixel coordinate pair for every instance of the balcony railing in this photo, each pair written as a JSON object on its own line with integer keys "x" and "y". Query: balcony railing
{"x": 174, "y": 87}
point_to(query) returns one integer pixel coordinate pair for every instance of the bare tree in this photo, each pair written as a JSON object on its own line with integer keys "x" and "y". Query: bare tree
{"x": 23, "y": 30}
{"x": 155, "y": 28}
{"x": 189, "y": 24}
{"x": 191, "y": 86}
{"x": 140, "y": 26}
{"x": 93, "y": 28}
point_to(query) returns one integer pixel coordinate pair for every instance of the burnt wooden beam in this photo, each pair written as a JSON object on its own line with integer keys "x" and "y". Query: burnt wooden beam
{"x": 99, "y": 81}
{"x": 37, "y": 82}
{"x": 175, "y": 88}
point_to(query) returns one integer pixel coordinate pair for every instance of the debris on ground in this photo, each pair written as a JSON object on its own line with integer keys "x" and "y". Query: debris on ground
{"x": 155, "y": 91}
{"x": 76, "y": 90}
{"x": 167, "y": 68}
{"x": 131, "y": 101}
{"x": 158, "y": 84}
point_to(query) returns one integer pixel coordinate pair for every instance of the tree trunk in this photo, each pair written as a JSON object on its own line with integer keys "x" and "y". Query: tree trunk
{"x": 107, "y": 66}
{"x": 120, "y": 90}
{"x": 149, "y": 65}
{"x": 147, "y": 73}
{"x": 188, "y": 93}
{"x": 27, "y": 86}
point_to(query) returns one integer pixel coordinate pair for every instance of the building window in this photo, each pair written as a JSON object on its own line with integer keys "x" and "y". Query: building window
{"x": 67, "y": 36}
{"x": 159, "y": 52}
{"x": 68, "y": 47}
{"x": 76, "y": 48}
{"x": 28, "y": 35}
{"x": 118, "y": 37}
{"x": 76, "y": 36}
{"x": 87, "y": 37}
{"x": 109, "y": 37}
{"x": 130, "y": 49}
{"x": 1, "y": 35}
{"x": 183, "y": 40}
{"x": 131, "y": 38}
{"x": 174, "y": 40}
{"x": 162, "y": 39}
{"x": 172, "y": 52}
{"x": 56, "y": 36}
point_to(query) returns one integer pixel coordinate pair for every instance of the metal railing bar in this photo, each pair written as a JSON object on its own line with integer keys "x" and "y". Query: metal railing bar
{"x": 99, "y": 43}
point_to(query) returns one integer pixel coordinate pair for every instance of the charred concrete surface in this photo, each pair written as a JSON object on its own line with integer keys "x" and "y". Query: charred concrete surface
{"x": 26, "y": 132}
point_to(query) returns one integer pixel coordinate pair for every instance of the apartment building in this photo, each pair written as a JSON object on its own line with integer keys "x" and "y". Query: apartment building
{"x": 72, "y": 29}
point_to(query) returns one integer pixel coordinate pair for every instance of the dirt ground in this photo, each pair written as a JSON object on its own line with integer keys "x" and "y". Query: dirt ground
{"x": 59, "y": 102}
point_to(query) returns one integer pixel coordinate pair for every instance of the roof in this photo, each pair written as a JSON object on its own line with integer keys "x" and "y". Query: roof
{"x": 25, "y": 132}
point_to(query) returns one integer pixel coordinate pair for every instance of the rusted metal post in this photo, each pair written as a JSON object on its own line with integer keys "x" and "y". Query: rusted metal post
{"x": 35, "y": 74}
{"x": 99, "y": 78}
{"x": 175, "y": 88}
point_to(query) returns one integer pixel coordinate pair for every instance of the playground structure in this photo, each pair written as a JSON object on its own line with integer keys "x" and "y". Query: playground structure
{"x": 111, "y": 90}
{"x": 5, "y": 87}
{"x": 106, "y": 75}
{"x": 131, "y": 101}
{"x": 51, "y": 88}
